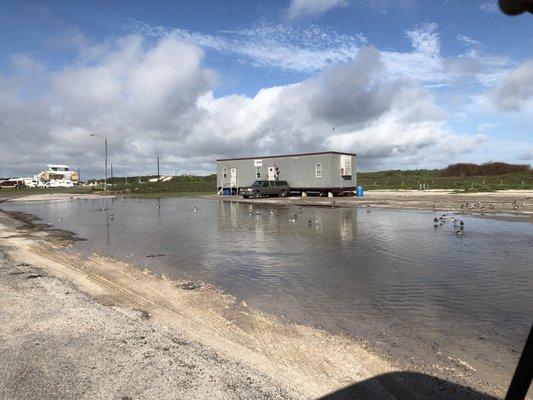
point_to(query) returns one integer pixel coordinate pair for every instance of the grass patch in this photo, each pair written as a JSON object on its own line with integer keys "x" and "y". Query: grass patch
{"x": 185, "y": 185}
{"x": 433, "y": 179}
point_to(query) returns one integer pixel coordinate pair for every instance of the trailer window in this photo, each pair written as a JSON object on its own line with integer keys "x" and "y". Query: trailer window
{"x": 224, "y": 173}
{"x": 257, "y": 172}
{"x": 318, "y": 170}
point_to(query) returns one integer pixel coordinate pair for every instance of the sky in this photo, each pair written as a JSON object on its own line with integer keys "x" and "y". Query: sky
{"x": 403, "y": 83}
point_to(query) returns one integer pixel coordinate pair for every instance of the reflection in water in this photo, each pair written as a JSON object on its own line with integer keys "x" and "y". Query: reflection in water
{"x": 387, "y": 275}
{"x": 107, "y": 224}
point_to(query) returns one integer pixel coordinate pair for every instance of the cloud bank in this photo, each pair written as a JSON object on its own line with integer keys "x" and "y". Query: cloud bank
{"x": 156, "y": 97}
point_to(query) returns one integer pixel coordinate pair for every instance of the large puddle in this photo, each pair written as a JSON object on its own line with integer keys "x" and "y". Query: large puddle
{"x": 386, "y": 275}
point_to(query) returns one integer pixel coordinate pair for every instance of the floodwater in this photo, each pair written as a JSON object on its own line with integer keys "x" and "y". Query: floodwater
{"x": 388, "y": 276}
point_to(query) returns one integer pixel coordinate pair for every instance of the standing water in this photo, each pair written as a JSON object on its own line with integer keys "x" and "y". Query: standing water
{"x": 388, "y": 276}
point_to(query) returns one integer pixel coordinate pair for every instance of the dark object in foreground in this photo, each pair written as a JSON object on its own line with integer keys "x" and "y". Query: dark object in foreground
{"x": 417, "y": 386}
{"x": 406, "y": 386}
{"x": 516, "y": 7}
{"x": 524, "y": 372}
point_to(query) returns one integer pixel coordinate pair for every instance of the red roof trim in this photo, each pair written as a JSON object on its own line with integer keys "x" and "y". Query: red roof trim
{"x": 287, "y": 155}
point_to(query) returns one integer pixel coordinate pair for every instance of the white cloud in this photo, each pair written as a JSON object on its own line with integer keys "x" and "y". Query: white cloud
{"x": 486, "y": 126}
{"x": 312, "y": 8}
{"x": 425, "y": 39}
{"x": 516, "y": 89}
{"x": 468, "y": 41}
{"x": 489, "y": 6}
{"x": 309, "y": 50}
{"x": 279, "y": 46}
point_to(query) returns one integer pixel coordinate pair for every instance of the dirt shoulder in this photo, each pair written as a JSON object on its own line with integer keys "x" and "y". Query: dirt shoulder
{"x": 58, "y": 343}
{"x": 518, "y": 204}
{"x": 53, "y": 197}
{"x": 98, "y": 328}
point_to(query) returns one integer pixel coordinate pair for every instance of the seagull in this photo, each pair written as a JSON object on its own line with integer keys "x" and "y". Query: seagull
{"x": 271, "y": 212}
{"x": 462, "y": 223}
{"x": 435, "y": 220}
{"x": 195, "y": 209}
{"x": 293, "y": 219}
{"x": 459, "y": 232}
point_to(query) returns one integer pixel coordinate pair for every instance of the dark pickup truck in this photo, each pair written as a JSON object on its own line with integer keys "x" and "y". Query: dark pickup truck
{"x": 266, "y": 188}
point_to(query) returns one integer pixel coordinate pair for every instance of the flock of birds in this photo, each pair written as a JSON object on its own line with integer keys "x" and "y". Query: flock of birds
{"x": 251, "y": 214}
{"x": 478, "y": 207}
{"x": 458, "y": 225}
{"x": 293, "y": 219}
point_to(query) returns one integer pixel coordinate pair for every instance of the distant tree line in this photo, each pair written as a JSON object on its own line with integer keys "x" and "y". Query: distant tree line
{"x": 486, "y": 169}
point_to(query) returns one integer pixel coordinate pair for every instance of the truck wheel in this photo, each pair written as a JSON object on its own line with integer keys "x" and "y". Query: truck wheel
{"x": 282, "y": 193}
{"x": 256, "y": 194}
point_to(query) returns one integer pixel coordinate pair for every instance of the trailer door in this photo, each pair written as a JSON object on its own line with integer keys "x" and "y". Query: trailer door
{"x": 272, "y": 173}
{"x": 233, "y": 177}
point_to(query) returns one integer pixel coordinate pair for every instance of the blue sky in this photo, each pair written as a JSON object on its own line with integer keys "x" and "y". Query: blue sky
{"x": 406, "y": 84}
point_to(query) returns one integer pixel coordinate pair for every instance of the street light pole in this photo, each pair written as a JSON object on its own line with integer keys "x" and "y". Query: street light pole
{"x": 105, "y": 177}
{"x": 158, "y": 169}
{"x": 105, "y": 162}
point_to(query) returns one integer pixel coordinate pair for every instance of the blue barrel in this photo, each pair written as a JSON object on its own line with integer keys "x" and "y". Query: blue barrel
{"x": 359, "y": 191}
{"x": 226, "y": 192}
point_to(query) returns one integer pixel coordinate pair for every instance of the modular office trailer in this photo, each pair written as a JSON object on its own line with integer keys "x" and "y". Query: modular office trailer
{"x": 328, "y": 171}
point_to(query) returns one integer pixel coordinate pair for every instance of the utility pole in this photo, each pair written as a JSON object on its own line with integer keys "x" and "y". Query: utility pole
{"x": 105, "y": 161}
{"x": 158, "y": 168}
{"x": 112, "y": 180}
{"x": 79, "y": 176}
